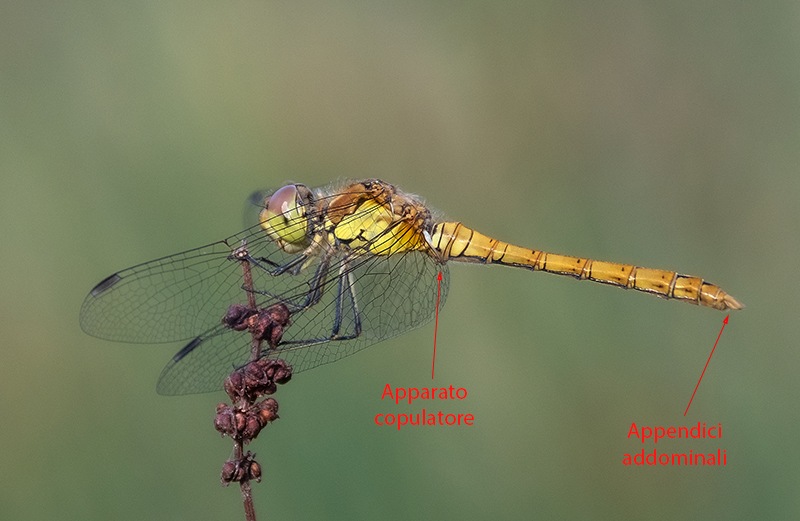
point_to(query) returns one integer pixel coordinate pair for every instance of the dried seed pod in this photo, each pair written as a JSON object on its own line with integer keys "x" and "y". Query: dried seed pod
{"x": 244, "y": 469}
{"x": 237, "y": 317}
{"x": 224, "y": 420}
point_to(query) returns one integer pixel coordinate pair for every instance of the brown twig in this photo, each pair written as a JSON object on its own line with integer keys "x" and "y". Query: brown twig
{"x": 246, "y": 417}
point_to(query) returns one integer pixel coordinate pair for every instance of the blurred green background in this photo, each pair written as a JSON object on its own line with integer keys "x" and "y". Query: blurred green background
{"x": 660, "y": 133}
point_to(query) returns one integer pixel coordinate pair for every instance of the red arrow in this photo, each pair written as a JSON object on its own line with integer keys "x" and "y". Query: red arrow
{"x": 724, "y": 323}
{"x": 436, "y": 322}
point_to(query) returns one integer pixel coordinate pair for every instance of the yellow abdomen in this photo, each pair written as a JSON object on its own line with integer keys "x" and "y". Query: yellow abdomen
{"x": 454, "y": 241}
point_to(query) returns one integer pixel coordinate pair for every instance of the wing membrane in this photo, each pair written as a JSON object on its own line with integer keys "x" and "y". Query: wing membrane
{"x": 171, "y": 298}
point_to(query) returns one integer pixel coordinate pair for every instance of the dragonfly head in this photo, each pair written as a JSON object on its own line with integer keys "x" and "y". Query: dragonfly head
{"x": 285, "y": 218}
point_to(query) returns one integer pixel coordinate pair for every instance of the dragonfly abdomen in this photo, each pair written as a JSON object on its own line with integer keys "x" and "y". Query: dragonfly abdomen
{"x": 458, "y": 242}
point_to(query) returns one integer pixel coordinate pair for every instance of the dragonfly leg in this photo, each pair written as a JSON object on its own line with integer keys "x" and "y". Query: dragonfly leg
{"x": 346, "y": 284}
{"x": 317, "y": 284}
{"x": 309, "y": 297}
{"x": 345, "y": 303}
{"x": 275, "y": 269}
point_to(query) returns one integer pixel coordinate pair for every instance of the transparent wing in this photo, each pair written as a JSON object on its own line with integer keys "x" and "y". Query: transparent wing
{"x": 175, "y": 297}
{"x": 389, "y": 295}
{"x": 364, "y": 300}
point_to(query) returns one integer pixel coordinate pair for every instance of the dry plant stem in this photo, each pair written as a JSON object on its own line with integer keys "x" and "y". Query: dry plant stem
{"x": 255, "y": 352}
{"x": 248, "y": 415}
{"x": 247, "y": 500}
{"x": 244, "y": 485}
{"x": 255, "y": 345}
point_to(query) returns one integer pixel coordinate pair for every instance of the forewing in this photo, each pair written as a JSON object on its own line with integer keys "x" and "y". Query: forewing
{"x": 175, "y": 297}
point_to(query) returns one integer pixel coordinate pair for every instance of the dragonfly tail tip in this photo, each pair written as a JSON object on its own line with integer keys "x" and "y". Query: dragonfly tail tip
{"x": 732, "y": 303}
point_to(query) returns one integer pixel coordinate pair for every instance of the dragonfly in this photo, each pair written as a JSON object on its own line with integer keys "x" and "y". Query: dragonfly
{"x": 352, "y": 264}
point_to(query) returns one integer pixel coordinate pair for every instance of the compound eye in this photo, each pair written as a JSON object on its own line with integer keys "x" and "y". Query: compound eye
{"x": 284, "y": 219}
{"x": 283, "y": 201}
